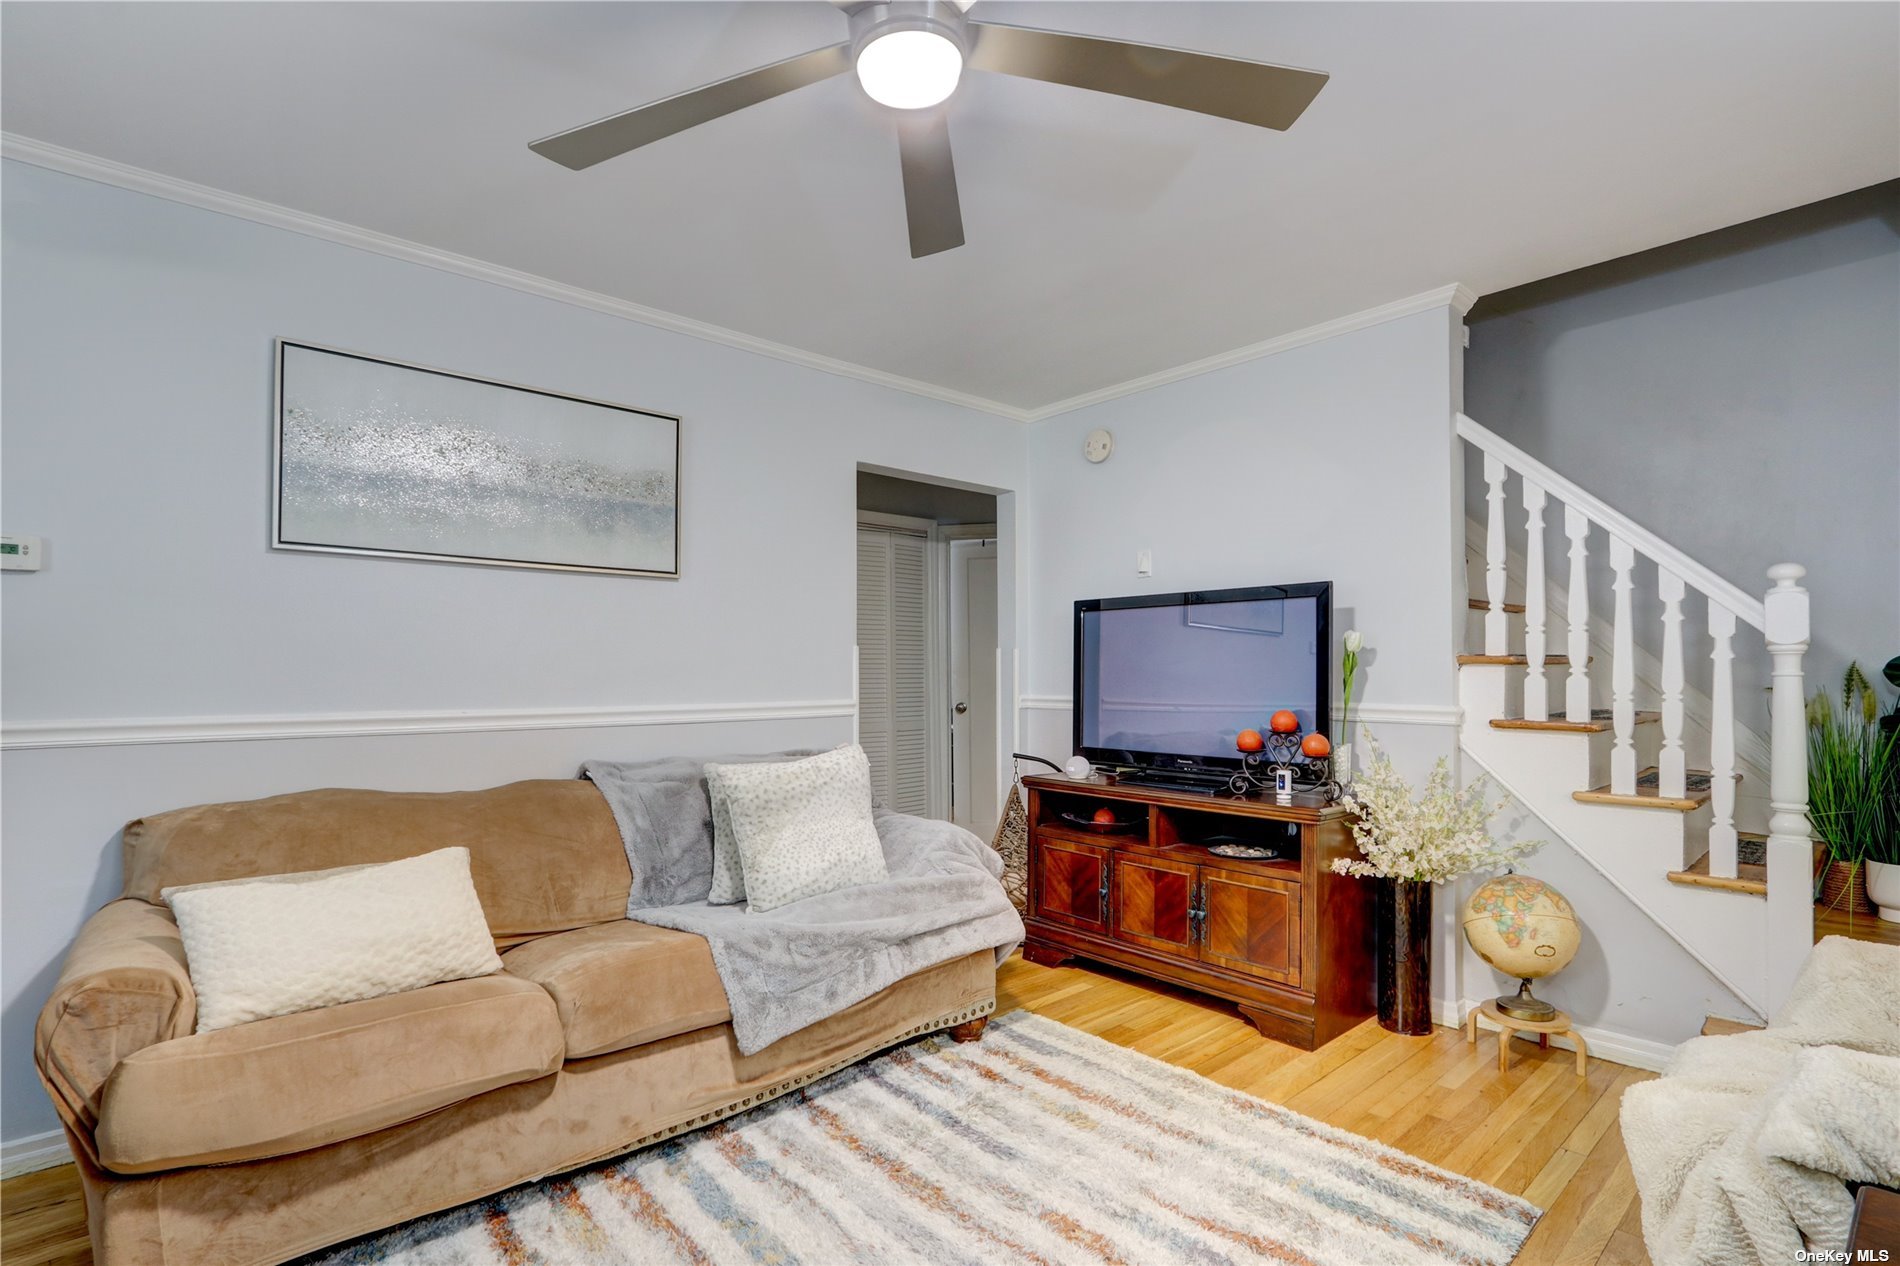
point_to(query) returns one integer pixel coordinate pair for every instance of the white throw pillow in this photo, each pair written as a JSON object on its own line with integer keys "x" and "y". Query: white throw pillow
{"x": 728, "y": 874}
{"x": 804, "y": 827}
{"x": 279, "y": 944}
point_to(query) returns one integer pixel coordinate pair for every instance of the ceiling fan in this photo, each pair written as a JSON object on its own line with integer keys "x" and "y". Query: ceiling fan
{"x": 909, "y": 55}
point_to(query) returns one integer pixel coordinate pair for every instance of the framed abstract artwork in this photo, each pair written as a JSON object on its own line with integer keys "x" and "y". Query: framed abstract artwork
{"x": 403, "y": 461}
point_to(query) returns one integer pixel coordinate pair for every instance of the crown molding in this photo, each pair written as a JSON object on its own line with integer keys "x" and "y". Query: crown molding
{"x": 1457, "y": 296}
{"x": 237, "y": 729}
{"x": 139, "y": 180}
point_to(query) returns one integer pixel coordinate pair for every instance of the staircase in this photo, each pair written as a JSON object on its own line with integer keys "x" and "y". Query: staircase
{"x": 1597, "y": 740}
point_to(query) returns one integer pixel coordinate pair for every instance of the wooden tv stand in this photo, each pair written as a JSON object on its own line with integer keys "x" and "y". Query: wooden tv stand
{"x": 1287, "y": 940}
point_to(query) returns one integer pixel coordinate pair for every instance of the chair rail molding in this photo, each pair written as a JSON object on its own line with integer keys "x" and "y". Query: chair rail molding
{"x": 251, "y": 727}
{"x": 1387, "y": 714}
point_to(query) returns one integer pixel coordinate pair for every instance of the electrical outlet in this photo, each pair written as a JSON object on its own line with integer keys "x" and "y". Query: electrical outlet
{"x": 1144, "y": 562}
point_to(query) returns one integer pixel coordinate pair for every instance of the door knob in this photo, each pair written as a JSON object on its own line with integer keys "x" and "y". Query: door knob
{"x": 962, "y": 708}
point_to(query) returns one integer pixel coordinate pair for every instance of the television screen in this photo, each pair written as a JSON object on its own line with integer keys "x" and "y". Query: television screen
{"x": 1181, "y": 675}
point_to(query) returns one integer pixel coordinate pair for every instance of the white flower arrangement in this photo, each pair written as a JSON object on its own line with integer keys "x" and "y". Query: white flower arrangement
{"x": 1439, "y": 836}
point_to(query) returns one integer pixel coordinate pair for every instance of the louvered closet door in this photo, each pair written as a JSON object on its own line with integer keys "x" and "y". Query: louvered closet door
{"x": 894, "y": 666}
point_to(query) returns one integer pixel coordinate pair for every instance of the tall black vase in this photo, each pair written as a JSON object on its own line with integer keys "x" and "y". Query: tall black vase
{"x": 1405, "y": 956}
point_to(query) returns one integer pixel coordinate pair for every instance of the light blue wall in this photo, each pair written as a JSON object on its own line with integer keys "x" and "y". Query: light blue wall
{"x": 1739, "y": 395}
{"x": 138, "y": 417}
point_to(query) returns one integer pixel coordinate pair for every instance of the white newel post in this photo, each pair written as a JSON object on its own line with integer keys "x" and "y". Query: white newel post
{"x": 1494, "y": 557}
{"x": 1790, "y": 852}
{"x": 1577, "y": 685}
{"x": 1536, "y": 690}
{"x": 1672, "y": 768}
{"x": 1722, "y": 842}
{"x": 1622, "y": 673}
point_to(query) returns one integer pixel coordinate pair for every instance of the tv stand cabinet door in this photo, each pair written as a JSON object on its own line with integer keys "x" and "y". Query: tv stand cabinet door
{"x": 1154, "y": 903}
{"x": 1252, "y": 925}
{"x": 1071, "y": 883}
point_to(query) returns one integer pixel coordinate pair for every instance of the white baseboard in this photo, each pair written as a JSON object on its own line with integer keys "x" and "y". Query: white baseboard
{"x": 1605, "y": 1044}
{"x": 35, "y": 1151}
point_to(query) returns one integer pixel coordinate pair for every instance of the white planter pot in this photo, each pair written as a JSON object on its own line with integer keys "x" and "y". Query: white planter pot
{"x": 1883, "y": 889}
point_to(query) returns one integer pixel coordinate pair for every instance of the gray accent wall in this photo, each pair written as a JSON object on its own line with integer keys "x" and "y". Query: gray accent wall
{"x": 1738, "y": 394}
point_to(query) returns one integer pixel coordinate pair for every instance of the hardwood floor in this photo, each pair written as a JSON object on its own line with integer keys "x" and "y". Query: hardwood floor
{"x": 1537, "y": 1130}
{"x": 43, "y": 1220}
{"x": 1860, "y": 927}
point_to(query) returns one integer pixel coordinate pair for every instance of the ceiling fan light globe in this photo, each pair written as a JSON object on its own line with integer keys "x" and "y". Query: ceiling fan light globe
{"x": 910, "y": 70}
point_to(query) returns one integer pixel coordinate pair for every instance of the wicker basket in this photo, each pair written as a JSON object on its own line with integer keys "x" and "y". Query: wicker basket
{"x": 1012, "y": 842}
{"x": 1844, "y": 888}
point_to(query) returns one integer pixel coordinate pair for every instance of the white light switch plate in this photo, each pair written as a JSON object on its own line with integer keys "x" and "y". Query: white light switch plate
{"x": 1144, "y": 562}
{"x": 20, "y": 553}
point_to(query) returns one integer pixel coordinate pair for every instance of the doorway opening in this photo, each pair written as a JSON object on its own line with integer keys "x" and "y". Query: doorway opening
{"x": 930, "y": 630}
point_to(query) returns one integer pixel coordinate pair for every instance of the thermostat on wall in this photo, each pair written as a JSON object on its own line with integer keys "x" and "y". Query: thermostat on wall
{"x": 20, "y": 553}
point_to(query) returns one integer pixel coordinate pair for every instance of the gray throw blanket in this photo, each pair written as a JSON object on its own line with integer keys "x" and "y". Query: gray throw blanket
{"x": 791, "y": 967}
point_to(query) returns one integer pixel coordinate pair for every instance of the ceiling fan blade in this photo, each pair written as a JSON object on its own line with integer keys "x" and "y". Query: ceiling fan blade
{"x": 610, "y": 137}
{"x": 1250, "y": 92}
{"x": 930, "y": 185}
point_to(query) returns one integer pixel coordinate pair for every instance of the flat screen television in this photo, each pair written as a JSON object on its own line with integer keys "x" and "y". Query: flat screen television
{"x": 1166, "y": 682}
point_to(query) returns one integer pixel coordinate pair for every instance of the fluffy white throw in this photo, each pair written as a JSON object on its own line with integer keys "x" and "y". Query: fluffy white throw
{"x": 1742, "y": 1149}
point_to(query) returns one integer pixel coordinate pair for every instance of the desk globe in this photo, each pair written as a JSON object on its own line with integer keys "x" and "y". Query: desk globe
{"x": 1524, "y": 928}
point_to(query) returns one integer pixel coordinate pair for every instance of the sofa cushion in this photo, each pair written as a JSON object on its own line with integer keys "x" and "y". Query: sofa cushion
{"x": 545, "y": 854}
{"x": 293, "y": 1082}
{"x": 622, "y": 984}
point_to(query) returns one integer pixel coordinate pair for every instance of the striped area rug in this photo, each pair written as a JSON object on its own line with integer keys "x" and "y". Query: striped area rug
{"x": 1038, "y": 1144}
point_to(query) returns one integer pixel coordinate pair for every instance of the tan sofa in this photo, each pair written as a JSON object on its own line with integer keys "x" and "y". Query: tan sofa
{"x": 261, "y": 1142}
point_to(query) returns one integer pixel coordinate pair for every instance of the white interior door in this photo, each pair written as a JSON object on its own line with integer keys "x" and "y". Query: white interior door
{"x": 895, "y": 646}
{"x": 975, "y": 798}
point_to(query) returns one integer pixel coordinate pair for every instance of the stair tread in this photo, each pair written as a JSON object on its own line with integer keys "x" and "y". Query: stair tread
{"x": 1599, "y": 722}
{"x": 1482, "y": 604}
{"x": 1750, "y": 877}
{"x": 1515, "y": 659}
{"x": 1716, "y": 1026}
{"x": 1649, "y": 795}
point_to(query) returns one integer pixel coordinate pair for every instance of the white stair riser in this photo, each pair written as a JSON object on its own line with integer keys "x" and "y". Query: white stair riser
{"x": 1634, "y": 847}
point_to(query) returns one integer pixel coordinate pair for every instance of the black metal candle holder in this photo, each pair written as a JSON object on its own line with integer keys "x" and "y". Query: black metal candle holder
{"x": 1259, "y": 770}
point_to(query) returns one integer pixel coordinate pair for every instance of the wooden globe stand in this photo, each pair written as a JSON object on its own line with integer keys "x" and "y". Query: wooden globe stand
{"x": 1509, "y": 1026}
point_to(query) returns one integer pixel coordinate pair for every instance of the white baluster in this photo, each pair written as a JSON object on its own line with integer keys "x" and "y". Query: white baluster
{"x": 1494, "y": 557}
{"x": 1623, "y": 674}
{"x": 1790, "y": 854}
{"x": 1536, "y": 691}
{"x": 1577, "y": 687}
{"x": 1722, "y": 859}
{"x": 1672, "y": 771}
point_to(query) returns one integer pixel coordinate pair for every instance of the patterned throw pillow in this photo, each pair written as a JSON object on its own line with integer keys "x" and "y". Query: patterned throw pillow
{"x": 728, "y": 872}
{"x": 803, "y": 828}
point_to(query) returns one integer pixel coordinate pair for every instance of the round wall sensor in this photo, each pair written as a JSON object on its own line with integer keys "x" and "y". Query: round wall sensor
{"x": 1098, "y": 445}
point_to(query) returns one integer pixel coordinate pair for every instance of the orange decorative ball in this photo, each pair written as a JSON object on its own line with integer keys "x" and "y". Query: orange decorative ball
{"x": 1104, "y": 817}
{"x": 1284, "y": 722}
{"x": 1250, "y": 741}
{"x": 1316, "y": 745}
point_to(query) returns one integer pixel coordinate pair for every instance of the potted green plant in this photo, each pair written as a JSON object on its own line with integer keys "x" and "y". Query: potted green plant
{"x": 1852, "y": 783}
{"x": 1410, "y": 844}
{"x": 1883, "y": 855}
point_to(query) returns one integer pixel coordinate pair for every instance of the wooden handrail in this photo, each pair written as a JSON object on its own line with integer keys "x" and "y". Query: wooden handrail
{"x": 1748, "y": 609}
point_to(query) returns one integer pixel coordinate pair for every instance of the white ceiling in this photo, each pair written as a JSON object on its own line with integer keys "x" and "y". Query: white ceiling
{"x": 1489, "y": 144}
